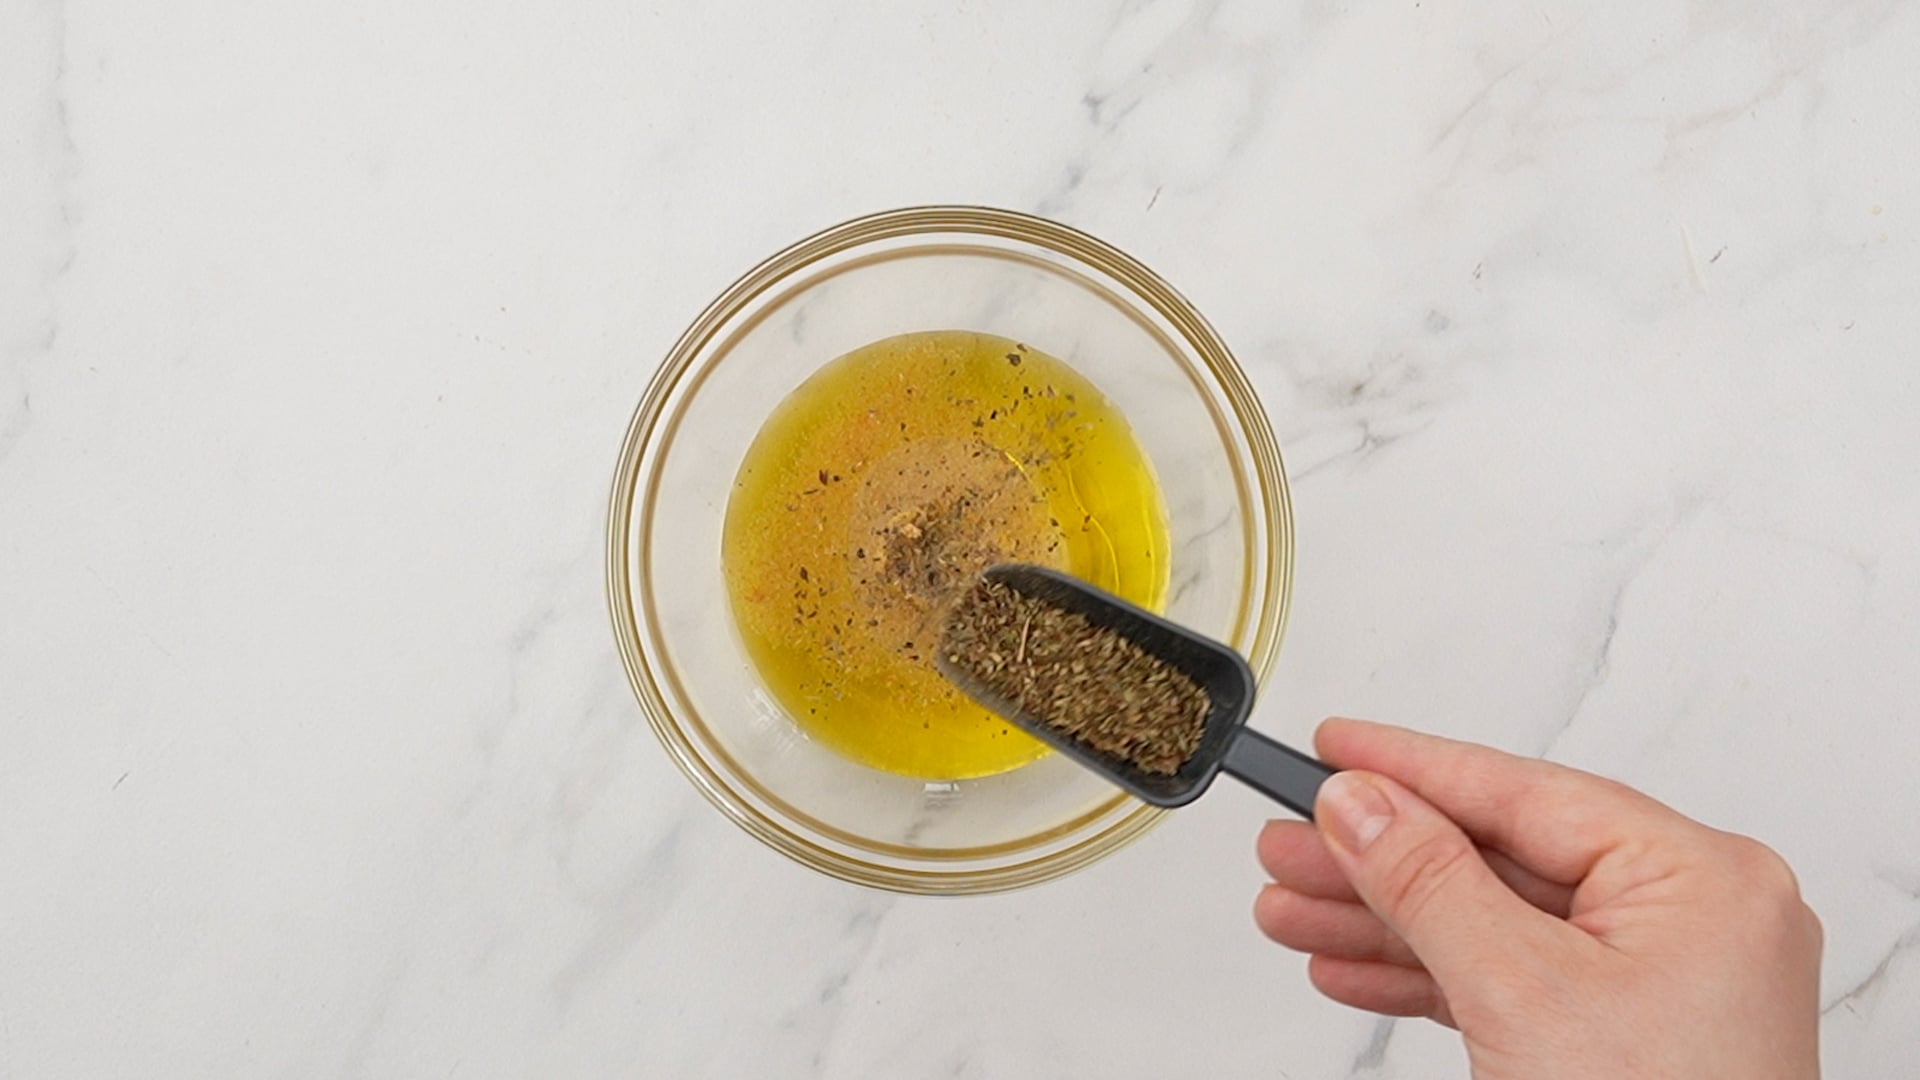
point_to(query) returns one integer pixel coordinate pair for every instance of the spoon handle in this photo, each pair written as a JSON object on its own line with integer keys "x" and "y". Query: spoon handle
{"x": 1276, "y": 770}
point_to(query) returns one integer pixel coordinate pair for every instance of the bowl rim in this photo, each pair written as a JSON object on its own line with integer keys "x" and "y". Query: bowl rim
{"x": 1270, "y": 598}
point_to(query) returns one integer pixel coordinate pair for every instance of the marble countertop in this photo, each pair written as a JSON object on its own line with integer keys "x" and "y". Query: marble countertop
{"x": 1588, "y": 331}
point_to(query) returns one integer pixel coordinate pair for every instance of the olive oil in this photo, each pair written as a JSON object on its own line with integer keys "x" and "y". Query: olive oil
{"x": 875, "y": 493}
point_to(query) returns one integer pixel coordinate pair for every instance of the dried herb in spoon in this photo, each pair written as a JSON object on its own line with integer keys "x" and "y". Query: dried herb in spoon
{"x": 1080, "y": 680}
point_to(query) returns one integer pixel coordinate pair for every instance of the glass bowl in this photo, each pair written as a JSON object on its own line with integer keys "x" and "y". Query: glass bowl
{"x": 925, "y": 268}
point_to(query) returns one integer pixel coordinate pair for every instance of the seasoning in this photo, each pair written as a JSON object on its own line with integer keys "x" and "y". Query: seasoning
{"x": 1083, "y": 681}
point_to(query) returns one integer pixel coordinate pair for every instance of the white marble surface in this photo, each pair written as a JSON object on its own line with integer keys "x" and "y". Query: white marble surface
{"x": 1589, "y": 331}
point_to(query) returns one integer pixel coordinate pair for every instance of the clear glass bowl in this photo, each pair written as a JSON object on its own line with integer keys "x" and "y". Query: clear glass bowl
{"x": 925, "y": 268}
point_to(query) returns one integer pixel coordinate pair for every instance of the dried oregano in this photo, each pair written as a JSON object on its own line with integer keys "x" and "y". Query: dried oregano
{"x": 1083, "y": 681}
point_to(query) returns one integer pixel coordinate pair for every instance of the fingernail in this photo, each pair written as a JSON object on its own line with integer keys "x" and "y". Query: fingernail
{"x": 1355, "y": 809}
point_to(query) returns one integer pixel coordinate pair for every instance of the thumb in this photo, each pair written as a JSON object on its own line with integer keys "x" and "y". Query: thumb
{"x": 1424, "y": 877}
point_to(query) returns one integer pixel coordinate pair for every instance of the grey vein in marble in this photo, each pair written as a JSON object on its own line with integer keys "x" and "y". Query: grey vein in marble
{"x": 860, "y": 933}
{"x": 1853, "y": 996}
{"x": 40, "y": 189}
{"x": 1638, "y": 552}
{"x": 1374, "y": 1054}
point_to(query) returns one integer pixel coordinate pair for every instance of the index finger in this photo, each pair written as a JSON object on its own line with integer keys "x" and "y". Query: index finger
{"x": 1556, "y": 821}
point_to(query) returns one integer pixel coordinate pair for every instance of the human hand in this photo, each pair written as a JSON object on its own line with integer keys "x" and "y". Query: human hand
{"x": 1568, "y": 926}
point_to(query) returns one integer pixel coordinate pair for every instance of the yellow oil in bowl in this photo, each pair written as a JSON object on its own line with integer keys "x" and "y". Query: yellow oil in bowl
{"x": 873, "y": 494}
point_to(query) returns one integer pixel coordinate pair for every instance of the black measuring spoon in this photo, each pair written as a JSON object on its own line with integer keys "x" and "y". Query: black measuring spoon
{"x": 1226, "y": 743}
